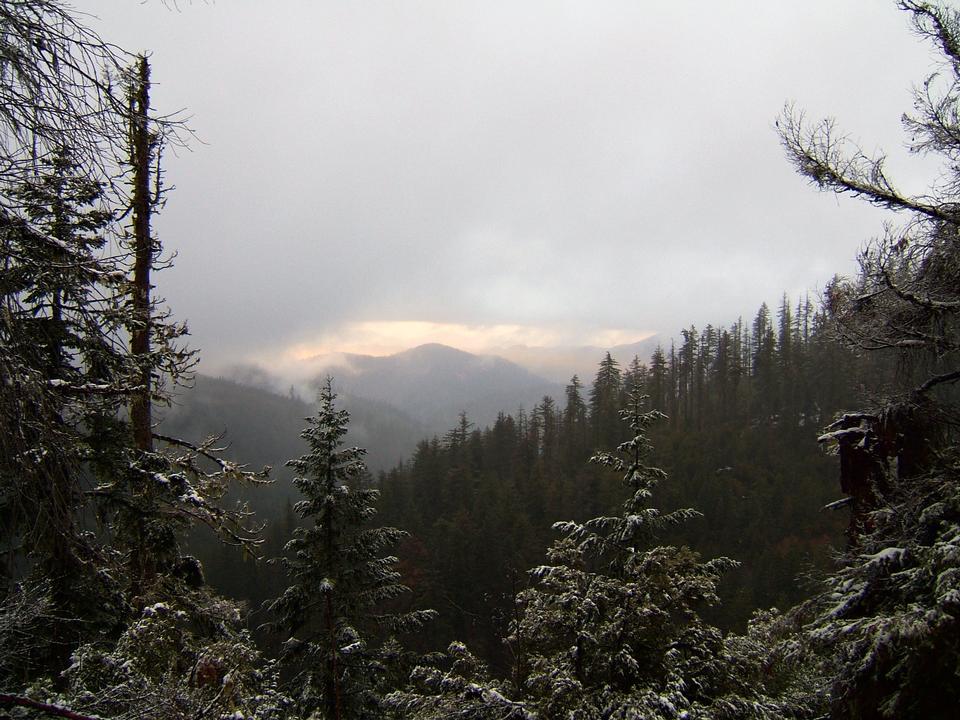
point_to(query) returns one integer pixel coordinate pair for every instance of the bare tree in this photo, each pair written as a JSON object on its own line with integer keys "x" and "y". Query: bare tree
{"x": 58, "y": 87}
{"x": 907, "y": 297}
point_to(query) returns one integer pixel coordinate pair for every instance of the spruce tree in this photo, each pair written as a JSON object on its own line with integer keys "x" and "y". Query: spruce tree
{"x": 334, "y": 611}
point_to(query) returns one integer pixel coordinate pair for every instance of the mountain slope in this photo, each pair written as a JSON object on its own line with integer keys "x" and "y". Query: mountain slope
{"x": 263, "y": 427}
{"x": 433, "y": 383}
{"x": 560, "y": 363}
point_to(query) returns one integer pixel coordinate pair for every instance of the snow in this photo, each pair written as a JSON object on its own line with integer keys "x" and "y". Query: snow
{"x": 951, "y": 599}
{"x": 837, "y": 504}
{"x": 887, "y": 556}
{"x": 83, "y": 387}
{"x": 191, "y": 496}
{"x": 156, "y": 609}
{"x": 838, "y": 435}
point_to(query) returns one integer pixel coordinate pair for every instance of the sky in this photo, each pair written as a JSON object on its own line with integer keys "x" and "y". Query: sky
{"x": 371, "y": 175}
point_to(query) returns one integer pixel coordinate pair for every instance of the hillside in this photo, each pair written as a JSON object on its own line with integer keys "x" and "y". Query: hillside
{"x": 263, "y": 427}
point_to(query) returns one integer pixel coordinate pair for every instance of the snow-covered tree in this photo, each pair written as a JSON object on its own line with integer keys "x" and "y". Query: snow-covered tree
{"x": 611, "y": 627}
{"x": 454, "y": 684}
{"x": 334, "y": 611}
{"x": 182, "y": 660}
{"x": 62, "y": 371}
{"x": 67, "y": 454}
{"x": 883, "y": 634}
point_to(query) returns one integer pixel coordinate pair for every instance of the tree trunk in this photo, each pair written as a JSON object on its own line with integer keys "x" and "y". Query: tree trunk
{"x": 140, "y": 151}
{"x": 333, "y": 678}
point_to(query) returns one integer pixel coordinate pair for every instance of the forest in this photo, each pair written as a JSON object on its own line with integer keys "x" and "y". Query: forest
{"x": 760, "y": 520}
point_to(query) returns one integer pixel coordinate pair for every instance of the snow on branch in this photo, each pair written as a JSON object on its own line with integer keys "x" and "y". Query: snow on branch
{"x": 48, "y": 708}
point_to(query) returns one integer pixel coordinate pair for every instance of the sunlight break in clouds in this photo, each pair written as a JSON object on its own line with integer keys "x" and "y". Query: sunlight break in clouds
{"x": 388, "y": 337}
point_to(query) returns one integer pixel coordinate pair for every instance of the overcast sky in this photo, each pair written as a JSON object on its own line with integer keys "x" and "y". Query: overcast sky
{"x": 378, "y": 174}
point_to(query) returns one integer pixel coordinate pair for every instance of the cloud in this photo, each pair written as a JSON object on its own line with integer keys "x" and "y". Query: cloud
{"x": 565, "y": 166}
{"x": 388, "y": 337}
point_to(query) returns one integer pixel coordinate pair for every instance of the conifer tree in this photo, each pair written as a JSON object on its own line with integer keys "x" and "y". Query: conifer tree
{"x": 883, "y": 632}
{"x": 605, "y": 403}
{"x": 657, "y": 386}
{"x": 342, "y": 578}
{"x": 56, "y": 345}
{"x": 67, "y": 456}
{"x": 612, "y": 626}
{"x": 573, "y": 425}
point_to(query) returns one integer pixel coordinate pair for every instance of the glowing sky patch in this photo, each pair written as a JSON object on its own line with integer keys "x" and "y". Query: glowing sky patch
{"x": 388, "y": 337}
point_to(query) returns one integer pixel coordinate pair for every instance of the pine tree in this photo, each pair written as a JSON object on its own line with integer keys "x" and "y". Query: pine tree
{"x": 334, "y": 609}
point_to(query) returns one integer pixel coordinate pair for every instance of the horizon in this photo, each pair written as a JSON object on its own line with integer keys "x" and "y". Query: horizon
{"x": 547, "y": 173}
{"x": 553, "y": 364}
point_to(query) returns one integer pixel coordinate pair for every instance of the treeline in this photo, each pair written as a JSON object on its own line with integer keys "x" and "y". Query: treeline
{"x": 744, "y": 405}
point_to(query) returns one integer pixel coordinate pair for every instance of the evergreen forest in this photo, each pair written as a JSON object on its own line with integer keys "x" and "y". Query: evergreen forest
{"x": 759, "y": 520}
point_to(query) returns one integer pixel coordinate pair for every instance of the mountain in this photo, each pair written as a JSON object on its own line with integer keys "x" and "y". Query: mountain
{"x": 559, "y": 364}
{"x": 394, "y": 402}
{"x": 434, "y": 383}
{"x": 262, "y": 427}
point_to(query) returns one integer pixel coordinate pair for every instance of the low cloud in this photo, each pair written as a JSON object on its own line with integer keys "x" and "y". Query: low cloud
{"x": 388, "y": 337}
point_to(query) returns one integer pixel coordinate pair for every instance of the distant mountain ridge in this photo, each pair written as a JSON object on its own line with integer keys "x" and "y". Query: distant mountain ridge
{"x": 394, "y": 400}
{"x": 434, "y": 383}
{"x": 559, "y": 364}
{"x": 262, "y": 426}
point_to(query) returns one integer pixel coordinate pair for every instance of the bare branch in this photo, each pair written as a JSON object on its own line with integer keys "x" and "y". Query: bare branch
{"x": 939, "y": 380}
{"x": 837, "y": 164}
{"x": 938, "y": 23}
{"x": 57, "y": 710}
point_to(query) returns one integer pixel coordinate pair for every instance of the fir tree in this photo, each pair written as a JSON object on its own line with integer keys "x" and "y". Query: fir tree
{"x": 67, "y": 456}
{"x": 610, "y": 628}
{"x": 612, "y": 622}
{"x": 605, "y": 403}
{"x": 573, "y": 425}
{"x": 342, "y": 578}
{"x": 55, "y": 342}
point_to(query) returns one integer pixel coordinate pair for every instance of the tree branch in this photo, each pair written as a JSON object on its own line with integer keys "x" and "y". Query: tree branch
{"x": 19, "y": 701}
{"x": 225, "y": 466}
{"x": 939, "y": 379}
{"x": 916, "y": 299}
{"x": 819, "y": 154}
